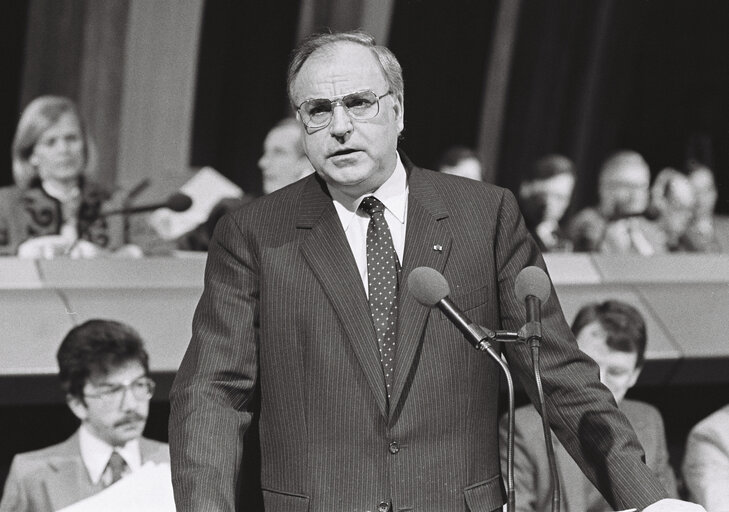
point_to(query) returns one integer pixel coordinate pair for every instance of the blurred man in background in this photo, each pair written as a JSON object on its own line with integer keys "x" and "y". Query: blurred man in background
{"x": 461, "y": 161}
{"x": 104, "y": 371}
{"x": 283, "y": 160}
{"x": 619, "y": 224}
{"x": 612, "y": 333}
{"x": 544, "y": 197}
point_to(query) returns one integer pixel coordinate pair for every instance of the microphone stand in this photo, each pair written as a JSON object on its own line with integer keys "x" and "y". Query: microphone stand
{"x": 532, "y": 333}
{"x": 485, "y": 346}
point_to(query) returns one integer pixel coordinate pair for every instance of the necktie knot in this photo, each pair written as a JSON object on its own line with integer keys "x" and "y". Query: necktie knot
{"x": 371, "y": 205}
{"x": 115, "y": 468}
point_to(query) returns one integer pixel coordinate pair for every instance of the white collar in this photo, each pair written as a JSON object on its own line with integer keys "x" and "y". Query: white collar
{"x": 393, "y": 193}
{"x": 59, "y": 192}
{"x": 95, "y": 453}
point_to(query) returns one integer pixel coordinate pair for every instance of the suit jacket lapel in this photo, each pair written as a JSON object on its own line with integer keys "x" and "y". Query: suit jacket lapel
{"x": 327, "y": 243}
{"x": 68, "y": 480}
{"x": 427, "y": 243}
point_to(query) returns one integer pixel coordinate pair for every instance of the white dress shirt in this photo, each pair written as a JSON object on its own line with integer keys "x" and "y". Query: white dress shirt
{"x": 95, "y": 453}
{"x": 394, "y": 195}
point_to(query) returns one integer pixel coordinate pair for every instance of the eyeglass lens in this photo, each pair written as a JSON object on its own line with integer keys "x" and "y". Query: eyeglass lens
{"x": 141, "y": 389}
{"x": 359, "y": 105}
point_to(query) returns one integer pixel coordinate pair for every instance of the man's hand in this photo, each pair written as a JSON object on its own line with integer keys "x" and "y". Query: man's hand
{"x": 671, "y": 505}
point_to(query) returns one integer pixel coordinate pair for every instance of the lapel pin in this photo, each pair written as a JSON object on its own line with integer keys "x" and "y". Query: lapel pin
{"x": 438, "y": 248}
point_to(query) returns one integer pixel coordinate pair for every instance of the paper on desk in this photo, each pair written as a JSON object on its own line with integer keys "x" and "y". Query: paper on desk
{"x": 148, "y": 489}
{"x": 206, "y": 188}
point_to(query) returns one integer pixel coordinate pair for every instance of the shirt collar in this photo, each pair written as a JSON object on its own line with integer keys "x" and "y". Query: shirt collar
{"x": 62, "y": 194}
{"x": 95, "y": 453}
{"x": 393, "y": 194}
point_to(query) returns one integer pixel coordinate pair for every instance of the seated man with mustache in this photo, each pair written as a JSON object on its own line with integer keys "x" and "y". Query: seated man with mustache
{"x": 104, "y": 371}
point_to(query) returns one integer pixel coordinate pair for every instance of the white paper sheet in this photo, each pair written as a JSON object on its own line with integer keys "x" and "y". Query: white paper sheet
{"x": 148, "y": 489}
{"x": 206, "y": 188}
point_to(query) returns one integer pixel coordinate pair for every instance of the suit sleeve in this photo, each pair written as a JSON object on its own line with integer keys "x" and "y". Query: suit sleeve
{"x": 583, "y": 413}
{"x": 706, "y": 466}
{"x": 214, "y": 388}
{"x": 14, "y": 496}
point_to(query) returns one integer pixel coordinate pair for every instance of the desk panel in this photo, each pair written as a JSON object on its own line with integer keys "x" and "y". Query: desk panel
{"x": 684, "y": 298}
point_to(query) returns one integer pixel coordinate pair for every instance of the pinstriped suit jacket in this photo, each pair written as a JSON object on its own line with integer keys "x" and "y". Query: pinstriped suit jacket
{"x": 284, "y": 308}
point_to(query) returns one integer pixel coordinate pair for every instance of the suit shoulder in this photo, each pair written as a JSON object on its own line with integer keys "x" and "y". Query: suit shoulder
{"x": 638, "y": 409}
{"x": 29, "y": 463}
{"x": 715, "y": 422}
{"x": 156, "y": 451}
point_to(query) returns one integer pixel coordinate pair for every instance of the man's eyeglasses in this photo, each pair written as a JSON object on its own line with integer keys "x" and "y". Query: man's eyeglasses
{"x": 317, "y": 113}
{"x": 141, "y": 389}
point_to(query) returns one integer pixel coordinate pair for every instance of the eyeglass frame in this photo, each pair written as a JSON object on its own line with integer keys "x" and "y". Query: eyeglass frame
{"x": 339, "y": 100}
{"x": 108, "y": 395}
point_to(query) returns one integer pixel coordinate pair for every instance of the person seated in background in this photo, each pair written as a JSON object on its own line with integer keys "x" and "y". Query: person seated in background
{"x": 544, "y": 196}
{"x": 461, "y": 161}
{"x": 198, "y": 239}
{"x": 708, "y": 232}
{"x": 104, "y": 372}
{"x": 283, "y": 161}
{"x": 612, "y": 333}
{"x": 706, "y": 461}
{"x": 55, "y": 207}
{"x": 619, "y": 223}
{"x": 673, "y": 202}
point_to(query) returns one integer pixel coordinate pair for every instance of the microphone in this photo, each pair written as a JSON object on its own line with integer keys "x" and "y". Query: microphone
{"x": 177, "y": 202}
{"x": 431, "y": 289}
{"x": 532, "y": 286}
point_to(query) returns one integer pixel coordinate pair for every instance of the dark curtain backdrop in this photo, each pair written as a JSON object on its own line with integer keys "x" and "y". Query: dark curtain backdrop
{"x": 592, "y": 77}
{"x": 587, "y": 78}
{"x": 12, "y": 41}
{"x": 241, "y": 86}
{"x": 443, "y": 49}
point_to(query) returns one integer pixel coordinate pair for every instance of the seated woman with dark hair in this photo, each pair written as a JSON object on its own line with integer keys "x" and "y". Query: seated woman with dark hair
{"x": 54, "y": 208}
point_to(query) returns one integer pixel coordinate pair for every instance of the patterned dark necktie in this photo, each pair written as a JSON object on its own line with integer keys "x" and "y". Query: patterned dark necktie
{"x": 382, "y": 278}
{"x": 115, "y": 468}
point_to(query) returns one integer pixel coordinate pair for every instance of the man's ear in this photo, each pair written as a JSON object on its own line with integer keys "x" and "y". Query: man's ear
{"x": 77, "y": 406}
{"x": 634, "y": 376}
{"x": 399, "y": 106}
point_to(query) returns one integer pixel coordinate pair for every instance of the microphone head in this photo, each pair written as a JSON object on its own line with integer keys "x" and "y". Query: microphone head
{"x": 428, "y": 286}
{"x": 178, "y": 202}
{"x": 532, "y": 281}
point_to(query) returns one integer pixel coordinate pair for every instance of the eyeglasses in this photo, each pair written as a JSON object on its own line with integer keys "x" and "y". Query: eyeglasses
{"x": 318, "y": 112}
{"x": 141, "y": 389}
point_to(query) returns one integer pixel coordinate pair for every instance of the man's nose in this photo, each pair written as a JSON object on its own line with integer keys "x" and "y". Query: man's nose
{"x": 128, "y": 401}
{"x": 341, "y": 122}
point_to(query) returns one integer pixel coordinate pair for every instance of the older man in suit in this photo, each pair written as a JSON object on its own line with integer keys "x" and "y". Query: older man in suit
{"x": 613, "y": 333}
{"x": 104, "y": 372}
{"x": 369, "y": 400}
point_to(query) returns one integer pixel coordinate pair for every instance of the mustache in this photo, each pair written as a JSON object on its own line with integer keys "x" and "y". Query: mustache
{"x": 130, "y": 418}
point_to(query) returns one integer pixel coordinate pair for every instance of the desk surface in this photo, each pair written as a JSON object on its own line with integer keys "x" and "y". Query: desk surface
{"x": 685, "y": 299}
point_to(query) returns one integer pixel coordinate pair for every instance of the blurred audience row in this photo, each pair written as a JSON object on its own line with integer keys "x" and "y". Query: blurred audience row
{"x": 104, "y": 373}
{"x": 633, "y": 216}
{"x": 56, "y": 207}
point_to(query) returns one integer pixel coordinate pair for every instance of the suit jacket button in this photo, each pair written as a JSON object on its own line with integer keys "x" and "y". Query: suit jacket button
{"x": 394, "y": 447}
{"x": 383, "y": 507}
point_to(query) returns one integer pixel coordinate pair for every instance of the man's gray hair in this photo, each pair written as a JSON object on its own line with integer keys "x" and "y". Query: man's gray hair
{"x": 388, "y": 62}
